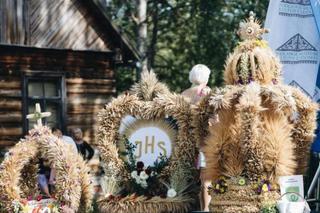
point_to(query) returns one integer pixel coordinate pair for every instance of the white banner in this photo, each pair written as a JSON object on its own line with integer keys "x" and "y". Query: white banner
{"x": 295, "y": 38}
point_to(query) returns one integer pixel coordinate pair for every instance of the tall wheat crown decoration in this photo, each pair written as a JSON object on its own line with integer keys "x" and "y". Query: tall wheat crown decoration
{"x": 251, "y": 28}
{"x": 252, "y": 59}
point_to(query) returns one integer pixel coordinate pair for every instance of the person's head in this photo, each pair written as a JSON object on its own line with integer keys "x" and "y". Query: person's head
{"x": 77, "y": 134}
{"x": 199, "y": 74}
{"x": 57, "y": 132}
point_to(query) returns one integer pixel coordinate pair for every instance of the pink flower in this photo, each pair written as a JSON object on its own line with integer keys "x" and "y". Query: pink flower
{"x": 39, "y": 197}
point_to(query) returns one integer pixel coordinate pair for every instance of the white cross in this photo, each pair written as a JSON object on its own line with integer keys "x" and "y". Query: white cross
{"x": 38, "y": 115}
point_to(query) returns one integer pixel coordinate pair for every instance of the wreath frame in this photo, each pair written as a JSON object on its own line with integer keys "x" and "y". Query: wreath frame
{"x": 148, "y": 100}
{"x": 73, "y": 186}
{"x": 109, "y": 120}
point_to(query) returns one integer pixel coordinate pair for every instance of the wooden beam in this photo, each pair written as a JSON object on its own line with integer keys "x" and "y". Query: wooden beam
{"x": 10, "y": 93}
{"x": 82, "y": 120}
{"x": 75, "y": 99}
{"x": 7, "y": 84}
{"x": 6, "y": 143}
{"x": 90, "y": 91}
{"x": 84, "y": 108}
{"x": 9, "y": 104}
{"x": 90, "y": 86}
{"x": 11, "y": 117}
{"x": 10, "y": 131}
{"x": 90, "y": 81}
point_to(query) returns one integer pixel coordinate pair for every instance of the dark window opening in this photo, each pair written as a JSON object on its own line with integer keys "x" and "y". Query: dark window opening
{"x": 48, "y": 92}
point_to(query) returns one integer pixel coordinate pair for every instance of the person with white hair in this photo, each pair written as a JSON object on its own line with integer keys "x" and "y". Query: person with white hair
{"x": 199, "y": 77}
{"x": 83, "y": 147}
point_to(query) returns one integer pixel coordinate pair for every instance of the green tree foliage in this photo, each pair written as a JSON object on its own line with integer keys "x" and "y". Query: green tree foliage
{"x": 182, "y": 33}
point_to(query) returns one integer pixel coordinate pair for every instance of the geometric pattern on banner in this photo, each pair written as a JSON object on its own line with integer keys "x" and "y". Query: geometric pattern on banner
{"x": 297, "y": 50}
{"x": 295, "y": 84}
{"x": 295, "y": 8}
{"x": 316, "y": 95}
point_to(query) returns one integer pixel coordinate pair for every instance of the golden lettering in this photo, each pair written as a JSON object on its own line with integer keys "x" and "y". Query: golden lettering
{"x": 139, "y": 148}
{"x": 162, "y": 146}
{"x": 147, "y": 144}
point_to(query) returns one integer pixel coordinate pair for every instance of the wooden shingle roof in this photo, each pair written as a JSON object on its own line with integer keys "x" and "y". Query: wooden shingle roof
{"x": 63, "y": 24}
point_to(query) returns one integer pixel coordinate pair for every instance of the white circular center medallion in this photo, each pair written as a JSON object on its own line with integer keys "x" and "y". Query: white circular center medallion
{"x": 152, "y": 139}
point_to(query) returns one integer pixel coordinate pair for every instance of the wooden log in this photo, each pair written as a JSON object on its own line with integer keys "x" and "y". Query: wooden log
{"x": 9, "y": 104}
{"x": 90, "y": 81}
{"x": 14, "y": 117}
{"x": 10, "y": 93}
{"x": 11, "y": 131}
{"x": 91, "y": 91}
{"x": 81, "y": 99}
{"x": 82, "y": 120}
{"x": 84, "y": 108}
{"x": 7, "y": 143}
{"x": 89, "y": 87}
{"x": 10, "y": 84}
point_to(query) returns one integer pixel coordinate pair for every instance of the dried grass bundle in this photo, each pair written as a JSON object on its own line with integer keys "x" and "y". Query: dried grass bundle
{"x": 149, "y": 87}
{"x": 71, "y": 171}
{"x": 261, "y": 64}
{"x": 272, "y": 142}
{"x": 144, "y": 204}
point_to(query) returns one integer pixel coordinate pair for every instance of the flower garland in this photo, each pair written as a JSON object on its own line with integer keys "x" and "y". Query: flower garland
{"x": 262, "y": 185}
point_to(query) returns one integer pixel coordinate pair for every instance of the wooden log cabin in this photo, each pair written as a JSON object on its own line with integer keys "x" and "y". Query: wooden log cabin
{"x": 61, "y": 54}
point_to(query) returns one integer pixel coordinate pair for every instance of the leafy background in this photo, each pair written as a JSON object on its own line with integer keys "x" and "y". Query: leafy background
{"x": 182, "y": 33}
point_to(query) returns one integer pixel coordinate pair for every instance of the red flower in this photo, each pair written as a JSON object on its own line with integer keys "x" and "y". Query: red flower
{"x": 39, "y": 197}
{"x": 163, "y": 196}
{"x": 148, "y": 171}
{"x": 110, "y": 197}
{"x": 24, "y": 201}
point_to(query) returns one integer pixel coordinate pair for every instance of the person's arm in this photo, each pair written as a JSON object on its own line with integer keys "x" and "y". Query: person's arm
{"x": 90, "y": 150}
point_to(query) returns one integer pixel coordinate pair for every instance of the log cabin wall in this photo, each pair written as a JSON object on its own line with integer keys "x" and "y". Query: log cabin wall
{"x": 10, "y": 108}
{"x": 89, "y": 80}
{"x": 72, "y": 38}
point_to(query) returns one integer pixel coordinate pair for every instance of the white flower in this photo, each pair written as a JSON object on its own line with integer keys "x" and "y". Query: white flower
{"x": 134, "y": 174}
{"x": 144, "y": 184}
{"x": 152, "y": 174}
{"x": 143, "y": 175}
{"x": 171, "y": 193}
{"x": 138, "y": 180}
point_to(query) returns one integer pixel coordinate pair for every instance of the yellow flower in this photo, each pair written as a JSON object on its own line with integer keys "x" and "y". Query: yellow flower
{"x": 25, "y": 209}
{"x": 241, "y": 181}
{"x": 261, "y": 43}
{"x": 222, "y": 190}
{"x": 265, "y": 188}
{"x": 218, "y": 186}
{"x": 264, "y": 177}
{"x": 222, "y": 178}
